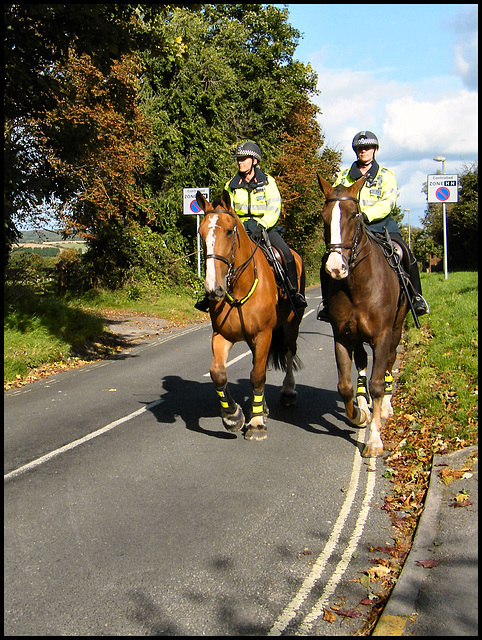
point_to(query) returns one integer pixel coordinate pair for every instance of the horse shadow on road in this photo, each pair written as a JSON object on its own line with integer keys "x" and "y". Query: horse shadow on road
{"x": 196, "y": 405}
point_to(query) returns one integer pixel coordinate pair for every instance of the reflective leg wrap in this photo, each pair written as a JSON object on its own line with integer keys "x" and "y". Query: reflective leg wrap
{"x": 228, "y": 406}
{"x": 258, "y": 405}
{"x": 361, "y": 388}
{"x": 388, "y": 384}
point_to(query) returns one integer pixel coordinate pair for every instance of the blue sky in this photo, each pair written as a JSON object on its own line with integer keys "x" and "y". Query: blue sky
{"x": 406, "y": 72}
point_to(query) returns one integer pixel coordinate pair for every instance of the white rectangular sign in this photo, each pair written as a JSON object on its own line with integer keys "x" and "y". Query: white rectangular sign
{"x": 190, "y": 206}
{"x": 443, "y": 188}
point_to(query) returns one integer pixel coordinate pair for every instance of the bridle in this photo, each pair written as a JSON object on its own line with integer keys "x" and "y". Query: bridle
{"x": 353, "y": 247}
{"x": 234, "y": 272}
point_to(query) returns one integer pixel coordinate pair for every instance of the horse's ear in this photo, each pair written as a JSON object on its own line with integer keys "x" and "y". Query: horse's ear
{"x": 201, "y": 200}
{"x": 324, "y": 185}
{"x": 356, "y": 186}
{"x": 226, "y": 200}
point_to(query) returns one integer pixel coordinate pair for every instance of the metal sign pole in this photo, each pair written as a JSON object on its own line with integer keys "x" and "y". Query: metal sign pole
{"x": 198, "y": 248}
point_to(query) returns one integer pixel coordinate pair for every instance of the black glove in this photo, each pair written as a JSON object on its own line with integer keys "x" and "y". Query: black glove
{"x": 254, "y": 229}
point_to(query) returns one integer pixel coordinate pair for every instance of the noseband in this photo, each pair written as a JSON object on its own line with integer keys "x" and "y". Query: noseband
{"x": 353, "y": 247}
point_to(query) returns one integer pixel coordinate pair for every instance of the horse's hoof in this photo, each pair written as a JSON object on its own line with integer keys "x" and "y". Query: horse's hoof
{"x": 288, "y": 399}
{"x": 256, "y": 433}
{"x": 234, "y": 421}
{"x": 372, "y": 451}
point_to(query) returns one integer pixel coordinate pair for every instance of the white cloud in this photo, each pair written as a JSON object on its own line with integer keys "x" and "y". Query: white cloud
{"x": 421, "y": 127}
{"x": 466, "y": 48}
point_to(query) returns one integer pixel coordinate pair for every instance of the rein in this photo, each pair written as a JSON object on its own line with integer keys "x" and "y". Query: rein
{"x": 234, "y": 272}
{"x": 353, "y": 247}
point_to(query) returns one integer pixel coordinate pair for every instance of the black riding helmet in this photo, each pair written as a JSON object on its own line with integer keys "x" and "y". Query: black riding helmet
{"x": 364, "y": 139}
{"x": 248, "y": 149}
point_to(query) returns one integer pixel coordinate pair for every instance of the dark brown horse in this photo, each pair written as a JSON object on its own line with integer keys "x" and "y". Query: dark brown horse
{"x": 366, "y": 304}
{"x": 245, "y": 305}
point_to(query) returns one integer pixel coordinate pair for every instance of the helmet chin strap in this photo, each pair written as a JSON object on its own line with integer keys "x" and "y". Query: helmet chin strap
{"x": 246, "y": 173}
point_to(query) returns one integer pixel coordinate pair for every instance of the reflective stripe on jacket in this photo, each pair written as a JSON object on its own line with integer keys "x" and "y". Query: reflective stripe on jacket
{"x": 262, "y": 201}
{"x": 377, "y": 196}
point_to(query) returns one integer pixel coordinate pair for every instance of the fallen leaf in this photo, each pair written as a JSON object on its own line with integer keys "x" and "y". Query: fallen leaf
{"x": 457, "y": 503}
{"x": 351, "y": 613}
{"x": 379, "y": 571}
{"x": 328, "y": 616}
{"x": 427, "y": 564}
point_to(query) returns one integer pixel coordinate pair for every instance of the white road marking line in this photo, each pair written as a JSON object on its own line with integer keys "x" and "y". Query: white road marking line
{"x": 319, "y": 566}
{"x": 72, "y": 445}
{"x": 329, "y": 590}
{"x": 228, "y": 364}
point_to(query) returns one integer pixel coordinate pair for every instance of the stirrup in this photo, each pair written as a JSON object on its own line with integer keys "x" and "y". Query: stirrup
{"x": 299, "y": 300}
{"x": 420, "y": 305}
{"x": 322, "y": 313}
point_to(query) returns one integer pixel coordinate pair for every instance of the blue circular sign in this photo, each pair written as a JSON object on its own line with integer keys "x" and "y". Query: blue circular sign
{"x": 195, "y": 208}
{"x": 442, "y": 194}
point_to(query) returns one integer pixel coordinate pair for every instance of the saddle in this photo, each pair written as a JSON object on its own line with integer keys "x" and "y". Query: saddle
{"x": 397, "y": 253}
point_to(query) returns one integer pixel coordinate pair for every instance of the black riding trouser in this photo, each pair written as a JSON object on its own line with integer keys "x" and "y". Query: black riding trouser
{"x": 288, "y": 258}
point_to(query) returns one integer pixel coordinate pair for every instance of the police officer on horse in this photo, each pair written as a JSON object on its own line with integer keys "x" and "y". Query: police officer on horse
{"x": 376, "y": 199}
{"x": 257, "y": 202}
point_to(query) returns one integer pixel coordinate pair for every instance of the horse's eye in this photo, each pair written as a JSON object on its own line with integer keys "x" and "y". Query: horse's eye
{"x": 229, "y": 232}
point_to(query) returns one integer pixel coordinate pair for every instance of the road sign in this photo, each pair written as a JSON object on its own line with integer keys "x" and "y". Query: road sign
{"x": 443, "y": 188}
{"x": 190, "y": 206}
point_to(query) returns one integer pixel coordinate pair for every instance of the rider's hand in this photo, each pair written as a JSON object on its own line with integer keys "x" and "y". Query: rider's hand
{"x": 257, "y": 232}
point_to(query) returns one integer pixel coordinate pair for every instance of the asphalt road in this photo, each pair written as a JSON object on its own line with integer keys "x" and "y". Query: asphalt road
{"x": 129, "y": 510}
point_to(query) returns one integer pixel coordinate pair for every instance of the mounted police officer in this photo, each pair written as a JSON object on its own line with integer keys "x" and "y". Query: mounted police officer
{"x": 257, "y": 201}
{"x": 376, "y": 199}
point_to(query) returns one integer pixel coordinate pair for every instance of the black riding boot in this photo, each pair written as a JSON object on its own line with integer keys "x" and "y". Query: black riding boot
{"x": 292, "y": 277}
{"x": 419, "y": 303}
{"x": 202, "y": 305}
{"x": 322, "y": 313}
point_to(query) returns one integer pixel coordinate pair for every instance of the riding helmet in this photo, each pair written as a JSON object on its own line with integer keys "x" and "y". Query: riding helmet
{"x": 364, "y": 139}
{"x": 248, "y": 149}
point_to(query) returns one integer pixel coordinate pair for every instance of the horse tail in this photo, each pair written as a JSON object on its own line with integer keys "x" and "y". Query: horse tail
{"x": 279, "y": 349}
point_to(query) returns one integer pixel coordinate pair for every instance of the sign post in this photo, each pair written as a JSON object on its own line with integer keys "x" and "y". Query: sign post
{"x": 191, "y": 207}
{"x": 443, "y": 188}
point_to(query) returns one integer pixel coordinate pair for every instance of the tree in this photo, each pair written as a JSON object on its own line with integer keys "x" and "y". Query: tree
{"x": 39, "y": 39}
{"x": 464, "y": 221}
{"x": 295, "y": 170}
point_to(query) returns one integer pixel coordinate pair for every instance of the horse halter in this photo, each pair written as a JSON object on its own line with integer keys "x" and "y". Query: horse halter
{"x": 235, "y": 272}
{"x": 353, "y": 247}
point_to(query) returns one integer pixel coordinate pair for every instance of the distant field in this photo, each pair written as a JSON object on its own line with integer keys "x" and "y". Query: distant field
{"x": 61, "y": 244}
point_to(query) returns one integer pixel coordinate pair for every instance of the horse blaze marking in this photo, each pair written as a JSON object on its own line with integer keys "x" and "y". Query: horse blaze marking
{"x": 335, "y": 261}
{"x": 210, "y": 242}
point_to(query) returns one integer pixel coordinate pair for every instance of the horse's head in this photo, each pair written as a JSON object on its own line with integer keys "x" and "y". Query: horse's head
{"x": 219, "y": 230}
{"x": 342, "y": 219}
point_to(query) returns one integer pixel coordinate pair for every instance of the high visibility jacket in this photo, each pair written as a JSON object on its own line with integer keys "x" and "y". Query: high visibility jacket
{"x": 379, "y": 193}
{"x": 259, "y": 199}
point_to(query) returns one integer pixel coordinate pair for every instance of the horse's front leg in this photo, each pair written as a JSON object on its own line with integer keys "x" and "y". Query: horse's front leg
{"x": 362, "y": 395}
{"x": 373, "y": 442}
{"x": 257, "y": 429}
{"x": 231, "y": 413}
{"x": 345, "y": 387}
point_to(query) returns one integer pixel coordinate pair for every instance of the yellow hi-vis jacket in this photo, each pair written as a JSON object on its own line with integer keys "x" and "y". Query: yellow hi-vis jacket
{"x": 378, "y": 194}
{"x": 260, "y": 199}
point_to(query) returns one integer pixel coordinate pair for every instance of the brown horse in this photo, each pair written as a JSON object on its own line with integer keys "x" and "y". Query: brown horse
{"x": 366, "y": 304}
{"x": 245, "y": 304}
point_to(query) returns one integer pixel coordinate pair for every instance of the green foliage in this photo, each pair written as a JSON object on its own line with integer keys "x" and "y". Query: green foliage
{"x": 441, "y": 361}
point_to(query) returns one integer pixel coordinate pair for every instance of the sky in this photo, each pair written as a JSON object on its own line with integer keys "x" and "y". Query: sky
{"x": 407, "y": 72}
